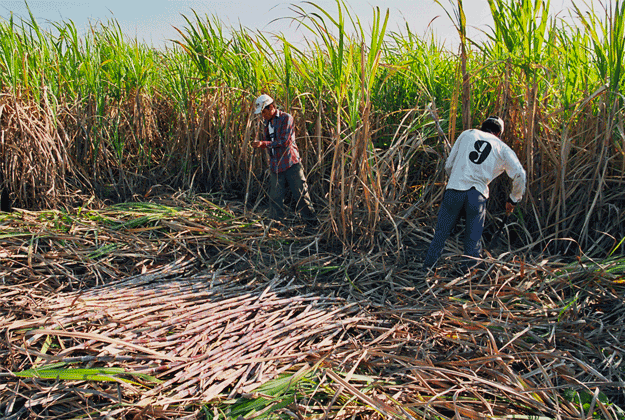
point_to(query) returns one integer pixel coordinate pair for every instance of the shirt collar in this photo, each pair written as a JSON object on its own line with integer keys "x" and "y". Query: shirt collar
{"x": 276, "y": 115}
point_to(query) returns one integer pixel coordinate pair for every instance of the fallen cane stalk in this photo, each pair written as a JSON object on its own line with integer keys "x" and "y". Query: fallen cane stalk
{"x": 103, "y": 338}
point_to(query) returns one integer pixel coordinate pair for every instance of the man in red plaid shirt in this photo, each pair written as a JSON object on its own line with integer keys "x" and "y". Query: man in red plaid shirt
{"x": 284, "y": 160}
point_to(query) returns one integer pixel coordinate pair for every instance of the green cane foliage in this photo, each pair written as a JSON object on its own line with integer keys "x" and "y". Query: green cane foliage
{"x": 460, "y": 23}
{"x": 617, "y": 247}
{"x": 372, "y": 55}
{"x": 367, "y": 72}
{"x": 587, "y": 401}
{"x": 25, "y": 53}
{"x": 206, "y": 45}
{"x": 8, "y": 63}
{"x": 181, "y": 82}
{"x": 353, "y": 66}
{"x": 280, "y": 74}
{"x": 458, "y": 19}
{"x": 333, "y": 43}
{"x": 275, "y": 398}
{"x": 521, "y": 35}
{"x": 574, "y": 68}
{"x": 127, "y": 66}
{"x": 57, "y": 371}
{"x": 276, "y": 395}
{"x": 249, "y": 62}
{"x": 221, "y": 59}
{"x": 421, "y": 69}
{"x": 33, "y": 58}
{"x": 608, "y": 41}
{"x": 520, "y": 30}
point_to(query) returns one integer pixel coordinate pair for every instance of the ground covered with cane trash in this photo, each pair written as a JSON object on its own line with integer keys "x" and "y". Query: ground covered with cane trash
{"x": 196, "y": 307}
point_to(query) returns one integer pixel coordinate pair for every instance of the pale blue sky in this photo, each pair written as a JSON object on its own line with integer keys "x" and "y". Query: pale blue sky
{"x": 153, "y": 21}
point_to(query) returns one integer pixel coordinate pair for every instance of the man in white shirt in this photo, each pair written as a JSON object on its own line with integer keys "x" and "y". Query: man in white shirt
{"x": 477, "y": 157}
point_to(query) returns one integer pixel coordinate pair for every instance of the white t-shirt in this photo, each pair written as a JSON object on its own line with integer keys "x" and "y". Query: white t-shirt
{"x": 272, "y": 136}
{"x": 477, "y": 158}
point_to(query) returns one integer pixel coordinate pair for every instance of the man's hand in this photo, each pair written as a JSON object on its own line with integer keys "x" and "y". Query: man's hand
{"x": 509, "y": 207}
{"x": 257, "y": 144}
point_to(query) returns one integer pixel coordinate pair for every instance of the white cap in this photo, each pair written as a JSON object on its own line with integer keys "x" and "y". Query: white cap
{"x": 261, "y": 102}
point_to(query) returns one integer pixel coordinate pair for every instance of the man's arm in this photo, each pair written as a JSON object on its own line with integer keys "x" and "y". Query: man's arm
{"x": 449, "y": 163}
{"x": 515, "y": 170}
{"x": 261, "y": 143}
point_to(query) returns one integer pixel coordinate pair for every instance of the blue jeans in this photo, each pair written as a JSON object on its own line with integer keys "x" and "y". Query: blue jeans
{"x": 454, "y": 201}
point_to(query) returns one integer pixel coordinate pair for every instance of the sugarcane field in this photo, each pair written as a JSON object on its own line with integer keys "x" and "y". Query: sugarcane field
{"x": 366, "y": 224}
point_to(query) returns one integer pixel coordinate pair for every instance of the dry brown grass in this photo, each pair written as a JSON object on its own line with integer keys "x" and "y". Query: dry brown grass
{"x": 214, "y": 307}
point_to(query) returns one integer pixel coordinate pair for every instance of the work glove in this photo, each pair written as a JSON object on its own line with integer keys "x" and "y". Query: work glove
{"x": 510, "y": 206}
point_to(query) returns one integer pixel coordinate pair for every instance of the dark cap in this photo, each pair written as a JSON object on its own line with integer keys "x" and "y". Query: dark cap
{"x": 493, "y": 124}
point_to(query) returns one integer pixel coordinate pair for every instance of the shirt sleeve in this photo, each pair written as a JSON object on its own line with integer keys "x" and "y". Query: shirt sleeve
{"x": 515, "y": 171}
{"x": 449, "y": 163}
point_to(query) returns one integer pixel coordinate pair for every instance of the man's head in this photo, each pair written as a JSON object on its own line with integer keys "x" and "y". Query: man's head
{"x": 493, "y": 125}
{"x": 264, "y": 105}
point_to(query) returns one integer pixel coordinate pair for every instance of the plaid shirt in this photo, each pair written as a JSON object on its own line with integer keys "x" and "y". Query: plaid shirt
{"x": 281, "y": 144}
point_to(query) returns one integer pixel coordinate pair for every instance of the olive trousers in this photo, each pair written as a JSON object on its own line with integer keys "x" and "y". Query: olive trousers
{"x": 293, "y": 177}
